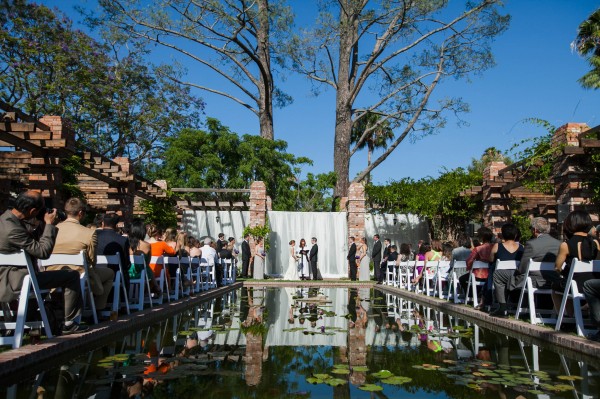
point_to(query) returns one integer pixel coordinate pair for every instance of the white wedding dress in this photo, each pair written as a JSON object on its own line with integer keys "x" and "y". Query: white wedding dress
{"x": 292, "y": 271}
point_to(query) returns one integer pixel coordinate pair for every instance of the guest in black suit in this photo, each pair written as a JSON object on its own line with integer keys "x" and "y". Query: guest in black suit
{"x": 383, "y": 267}
{"x": 110, "y": 243}
{"x": 376, "y": 256}
{"x": 352, "y": 258}
{"x": 221, "y": 243}
{"x": 245, "y": 255}
{"x": 313, "y": 258}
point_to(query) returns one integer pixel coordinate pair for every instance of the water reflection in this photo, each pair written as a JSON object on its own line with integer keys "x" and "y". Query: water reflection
{"x": 265, "y": 342}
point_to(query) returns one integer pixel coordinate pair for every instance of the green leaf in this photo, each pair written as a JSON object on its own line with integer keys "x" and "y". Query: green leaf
{"x": 370, "y": 388}
{"x": 382, "y": 374}
{"x": 396, "y": 380}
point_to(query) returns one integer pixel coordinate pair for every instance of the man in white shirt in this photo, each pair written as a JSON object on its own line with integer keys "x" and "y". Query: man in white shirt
{"x": 208, "y": 252}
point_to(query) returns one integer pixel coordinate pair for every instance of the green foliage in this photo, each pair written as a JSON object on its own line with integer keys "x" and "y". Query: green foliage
{"x": 537, "y": 154}
{"x": 523, "y": 223}
{"x": 70, "y": 185}
{"x": 261, "y": 231}
{"x": 587, "y": 43}
{"x": 219, "y": 158}
{"x": 315, "y": 193}
{"x": 111, "y": 96}
{"x": 160, "y": 212}
{"x": 438, "y": 199}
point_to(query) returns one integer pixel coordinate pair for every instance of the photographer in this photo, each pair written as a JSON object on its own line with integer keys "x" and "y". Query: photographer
{"x": 17, "y": 232}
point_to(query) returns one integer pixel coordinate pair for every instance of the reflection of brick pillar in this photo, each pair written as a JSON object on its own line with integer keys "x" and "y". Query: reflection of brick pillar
{"x": 126, "y": 190}
{"x": 356, "y": 210}
{"x": 496, "y": 205}
{"x": 569, "y": 176}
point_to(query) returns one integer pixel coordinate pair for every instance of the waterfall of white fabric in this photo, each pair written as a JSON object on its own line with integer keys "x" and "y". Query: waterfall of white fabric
{"x": 330, "y": 229}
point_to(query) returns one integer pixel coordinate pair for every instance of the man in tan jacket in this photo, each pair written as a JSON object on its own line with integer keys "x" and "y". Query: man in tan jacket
{"x": 72, "y": 238}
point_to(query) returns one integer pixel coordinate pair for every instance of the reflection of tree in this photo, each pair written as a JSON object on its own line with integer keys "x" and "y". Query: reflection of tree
{"x": 357, "y": 342}
{"x": 255, "y": 330}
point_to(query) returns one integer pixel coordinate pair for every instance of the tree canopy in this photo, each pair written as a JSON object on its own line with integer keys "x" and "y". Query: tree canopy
{"x": 587, "y": 44}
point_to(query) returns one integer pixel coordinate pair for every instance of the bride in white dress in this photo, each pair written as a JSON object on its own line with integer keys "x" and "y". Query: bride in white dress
{"x": 292, "y": 270}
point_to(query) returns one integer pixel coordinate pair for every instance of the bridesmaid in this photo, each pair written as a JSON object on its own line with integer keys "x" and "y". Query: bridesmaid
{"x": 364, "y": 261}
{"x": 259, "y": 260}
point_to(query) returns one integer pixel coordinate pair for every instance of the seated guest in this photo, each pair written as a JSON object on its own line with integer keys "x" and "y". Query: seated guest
{"x": 591, "y": 290}
{"x": 137, "y": 233}
{"x": 182, "y": 252}
{"x": 480, "y": 253}
{"x": 463, "y": 252}
{"x": 506, "y": 250}
{"x": 579, "y": 245}
{"x": 17, "y": 232}
{"x": 158, "y": 247}
{"x": 110, "y": 243}
{"x": 209, "y": 253}
{"x": 194, "y": 247}
{"x": 72, "y": 238}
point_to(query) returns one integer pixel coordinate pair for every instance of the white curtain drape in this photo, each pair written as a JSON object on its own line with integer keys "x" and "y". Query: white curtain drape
{"x": 407, "y": 228}
{"x": 210, "y": 223}
{"x": 330, "y": 229}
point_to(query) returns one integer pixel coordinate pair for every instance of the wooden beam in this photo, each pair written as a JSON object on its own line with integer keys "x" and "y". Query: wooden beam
{"x": 23, "y": 116}
{"x": 210, "y": 190}
{"x": 589, "y": 143}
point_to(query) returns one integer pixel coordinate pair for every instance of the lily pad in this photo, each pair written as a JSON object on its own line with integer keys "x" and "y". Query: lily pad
{"x": 340, "y": 371}
{"x": 341, "y": 366}
{"x": 383, "y": 374}
{"x": 360, "y": 368}
{"x": 334, "y": 382}
{"x": 370, "y": 388}
{"x": 313, "y": 380}
{"x": 322, "y": 376}
{"x": 569, "y": 377}
{"x": 396, "y": 380}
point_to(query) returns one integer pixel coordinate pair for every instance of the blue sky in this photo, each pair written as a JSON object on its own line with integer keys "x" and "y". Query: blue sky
{"x": 535, "y": 77}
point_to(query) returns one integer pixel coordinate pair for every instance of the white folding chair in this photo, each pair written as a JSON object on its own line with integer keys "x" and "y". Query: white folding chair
{"x": 473, "y": 283}
{"x": 119, "y": 282}
{"x": 442, "y": 276}
{"x": 172, "y": 263}
{"x": 210, "y": 272}
{"x": 534, "y": 313}
{"x": 185, "y": 262}
{"x": 460, "y": 268}
{"x": 139, "y": 287}
{"x": 86, "y": 286}
{"x": 510, "y": 265}
{"x": 161, "y": 279}
{"x": 202, "y": 275}
{"x": 413, "y": 273}
{"x": 391, "y": 274}
{"x": 572, "y": 292}
{"x": 401, "y": 274}
{"x": 428, "y": 277}
{"x": 227, "y": 271}
{"x": 22, "y": 259}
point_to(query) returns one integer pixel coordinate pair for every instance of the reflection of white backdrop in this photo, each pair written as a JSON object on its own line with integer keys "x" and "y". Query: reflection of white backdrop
{"x": 330, "y": 229}
{"x": 210, "y": 223}
{"x": 408, "y": 228}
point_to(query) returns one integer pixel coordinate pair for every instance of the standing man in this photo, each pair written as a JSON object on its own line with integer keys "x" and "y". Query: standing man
{"x": 221, "y": 243}
{"x": 245, "y": 255}
{"x": 72, "y": 238}
{"x": 383, "y": 267}
{"x": 16, "y": 234}
{"x": 376, "y": 256}
{"x": 110, "y": 243}
{"x": 352, "y": 258}
{"x": 313, "y": 258}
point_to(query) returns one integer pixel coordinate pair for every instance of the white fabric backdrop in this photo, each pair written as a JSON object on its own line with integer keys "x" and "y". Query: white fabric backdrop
{"x": 204, "y": 223}
{"x": 408, "y": 228}
{"x": 330, "y": 229}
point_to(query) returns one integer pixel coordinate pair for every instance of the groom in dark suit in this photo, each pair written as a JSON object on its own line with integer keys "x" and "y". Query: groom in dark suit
{"x": 376, "y": 256}
{"x": 245, "y": 255}
{"x": 313, "y": 258}
{"x": 352, "y": 258}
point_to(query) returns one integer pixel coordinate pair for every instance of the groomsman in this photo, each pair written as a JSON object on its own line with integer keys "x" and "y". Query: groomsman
{"x": 383, "y": 267}
{"x": 376, "y": 256}
{"x": 352, "y": 258}
{"x": 245, "y": 255}
{"x": 313, "y": 257}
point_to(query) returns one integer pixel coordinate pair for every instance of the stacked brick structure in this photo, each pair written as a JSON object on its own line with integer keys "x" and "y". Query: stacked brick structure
{"x": 259, "y": 204}
{"x": 496, "y": 204}
{"x": 356, "y": 208}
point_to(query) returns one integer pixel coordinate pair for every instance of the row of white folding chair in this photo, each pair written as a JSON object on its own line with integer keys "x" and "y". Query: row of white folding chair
{"x": 229, "y": 272}
{"x": 177, "y": 279}
{"x": 391, "y": 274}
{"x": 161, "y": 280}
{"x": 572, "y": 292}
{"x": 442, "y": 275}
{"x": 473, "y": 283}
{"x": 205, "y": 275}
{"x": 22, "y": 259}
{"x": 119, "y": 282}
{"x": 531, "y": 291}
{"x": 86, "y": 286}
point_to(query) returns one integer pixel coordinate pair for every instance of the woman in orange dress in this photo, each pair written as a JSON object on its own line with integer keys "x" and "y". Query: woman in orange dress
{"x": 159, "y": 248}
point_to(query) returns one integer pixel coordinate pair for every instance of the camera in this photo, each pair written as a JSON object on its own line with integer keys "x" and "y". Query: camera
{"x": 61, "y": 216}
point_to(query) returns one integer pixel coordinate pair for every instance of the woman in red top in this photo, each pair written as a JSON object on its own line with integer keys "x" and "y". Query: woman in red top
{"x": 481, "y": 253}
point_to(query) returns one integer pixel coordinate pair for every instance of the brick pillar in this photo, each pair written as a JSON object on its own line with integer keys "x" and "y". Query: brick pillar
{"x": 258, "y": 203}
{"x": 127, "y": 188}
{"x": 356, "y": 210}
{"x": 62, "y": 135}
{"x": 496, "y": 205}
{"x": 569, "y": 175}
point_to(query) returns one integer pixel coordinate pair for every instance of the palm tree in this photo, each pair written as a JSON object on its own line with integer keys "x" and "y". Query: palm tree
{"x": 588, "y": 43}
{"x": 379, "y": 133}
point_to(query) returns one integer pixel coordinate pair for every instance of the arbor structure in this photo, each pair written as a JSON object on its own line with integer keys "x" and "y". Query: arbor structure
{"x": 234, "y": 39}
{"x": 110, "y": 96}
{"x": 587, "y": 44}
{"x": 387, "y": 58}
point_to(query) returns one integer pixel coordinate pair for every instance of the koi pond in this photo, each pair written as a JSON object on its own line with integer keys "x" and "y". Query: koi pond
{"x": 314, "y": 343}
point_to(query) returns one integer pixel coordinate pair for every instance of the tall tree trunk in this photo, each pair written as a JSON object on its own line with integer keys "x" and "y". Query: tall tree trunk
{"x": 370, "y": 149}
{"x": 343, "y": 101}
{"x": 265, "y": 106}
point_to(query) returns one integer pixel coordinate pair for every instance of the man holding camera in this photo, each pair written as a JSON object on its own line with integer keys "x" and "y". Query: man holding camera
{"x": 17, "y": 226}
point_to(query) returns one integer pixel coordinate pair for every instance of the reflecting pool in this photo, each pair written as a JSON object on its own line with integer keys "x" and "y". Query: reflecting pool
{"x": 314, "y": 343}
